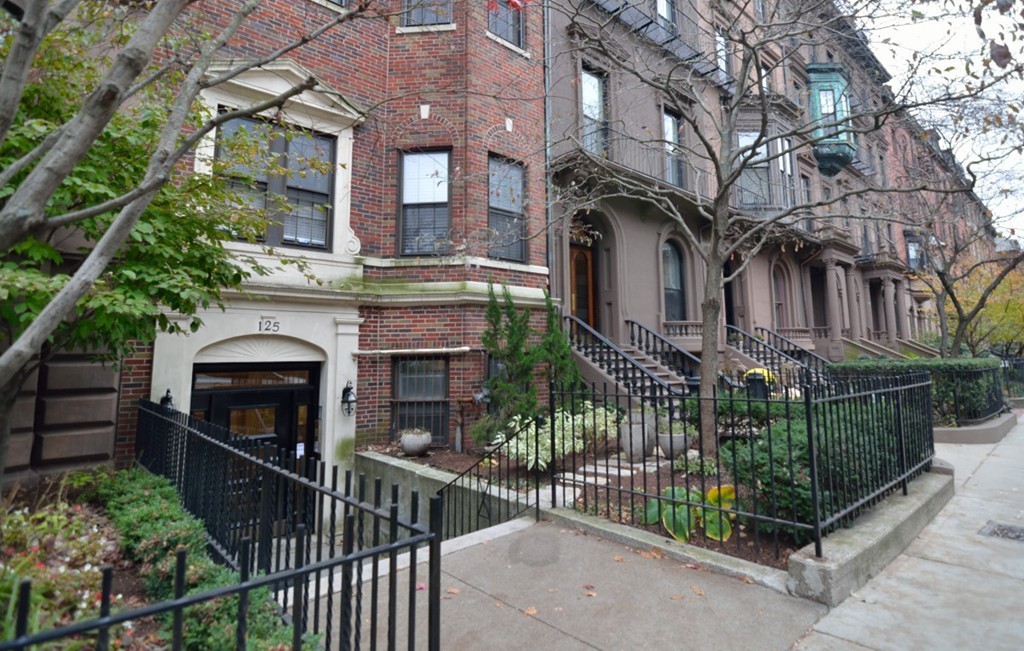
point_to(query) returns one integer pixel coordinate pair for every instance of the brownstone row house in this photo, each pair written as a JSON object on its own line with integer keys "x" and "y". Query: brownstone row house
{"x": 439, "y": 131}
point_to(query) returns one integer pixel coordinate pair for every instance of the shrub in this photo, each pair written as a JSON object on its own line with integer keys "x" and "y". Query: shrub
{"x": 153, "y": 525}
{"x": 855, "y": 454}
{"x": 962, "y": 388}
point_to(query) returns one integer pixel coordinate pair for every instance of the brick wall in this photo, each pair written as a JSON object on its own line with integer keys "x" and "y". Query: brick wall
{"x": 136, "y": 376}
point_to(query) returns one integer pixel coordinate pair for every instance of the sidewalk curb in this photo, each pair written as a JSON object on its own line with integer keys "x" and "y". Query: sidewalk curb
{"x": 854, "y": 555}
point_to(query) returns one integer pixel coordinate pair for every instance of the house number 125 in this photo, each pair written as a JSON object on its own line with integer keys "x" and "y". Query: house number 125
{"x": 266, "y": 325}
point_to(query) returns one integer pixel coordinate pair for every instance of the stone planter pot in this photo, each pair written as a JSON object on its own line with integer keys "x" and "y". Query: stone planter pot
{"x": 636, "y": 440}
{"x": 414, "y": 443}
{"x": 672, "y": 445}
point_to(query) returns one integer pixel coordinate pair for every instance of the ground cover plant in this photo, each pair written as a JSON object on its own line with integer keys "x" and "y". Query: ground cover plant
{"x": 113, "y": 518}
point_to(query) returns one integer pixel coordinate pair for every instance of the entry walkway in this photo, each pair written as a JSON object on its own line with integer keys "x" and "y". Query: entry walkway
{"x": 954, "y": 587}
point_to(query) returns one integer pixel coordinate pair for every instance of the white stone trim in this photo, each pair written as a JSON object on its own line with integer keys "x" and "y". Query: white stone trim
{"x": 422, "y": 29}
{"x": 476, "y": 261}
{"x": 515, "y": 48}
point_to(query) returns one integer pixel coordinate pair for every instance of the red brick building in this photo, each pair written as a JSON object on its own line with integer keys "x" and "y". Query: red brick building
{"x": 432, "y": 121}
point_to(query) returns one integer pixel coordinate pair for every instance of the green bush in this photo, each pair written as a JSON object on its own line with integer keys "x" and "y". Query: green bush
{"x": 954, "y": 380}
{"x": 146, "y": 511}
{"x": 855, "y": 454}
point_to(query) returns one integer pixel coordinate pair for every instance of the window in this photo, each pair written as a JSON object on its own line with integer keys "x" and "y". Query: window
{"x": 505, "y": 210}
{"x": 667, "y": 14}
{"x": 675, "y": 165}
{"x": 426, "y": 12}
{"x": 722, "y": 56}
{"x": 915, "y": 254}
{"x": 303, "y": 195}
{"x": 425, "y": 217}
{"x": 672, "y": 280}
{"x": 786, "y": 172}
{"x": 505, "y": 20}
{"x": 865, "y": 240}
{"x": 594, "y": 96}
{"x": 806, "y": 197}
{"x": 420, "y": 396}
{"x": 766, "y": 79}
{"x": 779, "y": 297}
{"x": 827, "y": 102}
{"x": 754, "y": 186}
{"x": 759, "y": 9}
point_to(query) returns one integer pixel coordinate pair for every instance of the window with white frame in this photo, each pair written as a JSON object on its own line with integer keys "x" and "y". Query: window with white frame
{"x": 506, "y": 217}
{"x": 754, "y": 185}
{"x": 722, "y": 55}
{"x": 505, "y": 20}
{"x": 675, "y": 164}
{"x": 293, "y": 182}
{"x": 594, "y": 102}
{"x": 786, "y": 174}
{"x": 806, "y": 197}
{"x": 666, "y": 14}
{"x": 417, "y": 13}
{"x": 672, "y": 277}
{"x": 426, "y": 220}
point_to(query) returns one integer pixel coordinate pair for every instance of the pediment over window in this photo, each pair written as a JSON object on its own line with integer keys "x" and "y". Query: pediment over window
{"x": 276, "y": 77}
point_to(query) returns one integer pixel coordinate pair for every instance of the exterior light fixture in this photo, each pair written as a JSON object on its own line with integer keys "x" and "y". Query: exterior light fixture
{"x": 348, "y": 400}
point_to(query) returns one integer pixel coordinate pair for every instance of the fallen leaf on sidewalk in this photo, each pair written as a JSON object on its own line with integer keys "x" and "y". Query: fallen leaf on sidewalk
{"x": 747, "y": 579}
{"x": 588, "y": 587}
{"x": 619, "y": 559}
{"x": 453, "y": 591}
{"x": 530, "y": 612}
{"x": 591, "y": 594}
{"x": 692, "y": 566}
{"x": 657, "y": 552}
{"x": 677, "y": 597}
{"x": 697, "y": 591}
{"x": 421, "y": 586}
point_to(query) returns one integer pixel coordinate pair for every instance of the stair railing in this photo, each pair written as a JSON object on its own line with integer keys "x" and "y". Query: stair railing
{"x": 614, "y": 361}
{"x": 815, "y": 363}
{"x": 681, "y": 362}
{"x": 771, "y": 358}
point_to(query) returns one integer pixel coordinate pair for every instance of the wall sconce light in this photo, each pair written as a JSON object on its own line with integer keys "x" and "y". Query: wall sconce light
{"x": 348, "y": 399}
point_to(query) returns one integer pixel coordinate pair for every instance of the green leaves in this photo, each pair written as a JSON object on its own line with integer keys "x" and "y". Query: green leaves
{"x": 682, "y": 511}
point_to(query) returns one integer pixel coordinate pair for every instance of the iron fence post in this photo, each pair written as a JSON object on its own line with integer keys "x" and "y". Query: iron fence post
{"x": 901, "y": 444}
{"x": 434, "y": 581}
{"x": 266, "y": 525}
{"x": 551, "y": 416}
{"x": 813, "y": 463}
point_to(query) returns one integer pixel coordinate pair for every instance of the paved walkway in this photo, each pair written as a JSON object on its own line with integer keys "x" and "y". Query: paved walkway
{"x": 953, "y": 588}
{"x": 542, "y": 586}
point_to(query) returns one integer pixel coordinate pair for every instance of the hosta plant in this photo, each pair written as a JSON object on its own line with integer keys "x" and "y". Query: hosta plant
{"x": 683, "y": 510}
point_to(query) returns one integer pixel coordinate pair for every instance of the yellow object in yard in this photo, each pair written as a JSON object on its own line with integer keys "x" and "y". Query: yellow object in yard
{"x": 768, "y": 376}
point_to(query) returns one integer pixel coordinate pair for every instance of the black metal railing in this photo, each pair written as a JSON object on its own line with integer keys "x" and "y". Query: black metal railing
{"x": 966, "y": 396}
{"x": 500, "y": 487}
{"x": 269, "y": 514}
{"x": 613, "y": 361}
{"x": 785, "y": 369}
{"x": 816, "y": 364}
{"x": 684, "y": 364}
{"x": 1013, "y": 376}
{"x": 784, "y": 469}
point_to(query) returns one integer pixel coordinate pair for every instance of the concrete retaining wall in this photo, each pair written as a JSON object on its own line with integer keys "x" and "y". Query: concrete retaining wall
{"x": 991, "y": 431}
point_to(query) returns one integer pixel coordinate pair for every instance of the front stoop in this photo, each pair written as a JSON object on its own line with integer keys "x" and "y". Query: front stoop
{"x": 991, "y": 431}
{"x": 852, "y": 556}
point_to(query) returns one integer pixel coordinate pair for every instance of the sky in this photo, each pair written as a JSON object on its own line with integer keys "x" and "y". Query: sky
{"x": 944, "y": 34}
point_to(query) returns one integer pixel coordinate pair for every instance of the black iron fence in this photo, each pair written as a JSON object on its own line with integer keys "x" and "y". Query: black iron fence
{"x": 1013, "y": 376}
{"x": 967, "y": 396}
{"x": 782, "y": 469}
{"x": 504, "y": 485}
{"x": 329, "y": 555}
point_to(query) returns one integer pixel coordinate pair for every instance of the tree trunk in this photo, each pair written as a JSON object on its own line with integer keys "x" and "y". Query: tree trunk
{"x": 711, "y": 309}
{"x": 940, "y": 306}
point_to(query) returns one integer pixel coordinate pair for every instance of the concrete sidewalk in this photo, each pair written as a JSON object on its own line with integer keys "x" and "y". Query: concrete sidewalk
{"x": 953, "y": 588}
{"x": 549, "y": 586}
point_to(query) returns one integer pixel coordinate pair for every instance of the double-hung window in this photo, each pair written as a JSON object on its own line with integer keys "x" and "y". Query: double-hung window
{"x": 722, "y": 56}
{"x": 675, "y": 165}
{"x": 294, "y": 183}
{"x": 786, "y": 172}
{"x": 506, "y": 209}
{"x": 505, "y": 20}
{"x": 426, "y": 220}
{"x": 754, "y": 186}
{"x": 416, "y": 13}
{"x": 666, "y": 14}
{"x": 594, "y": 98}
